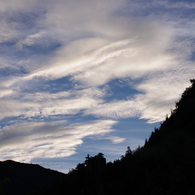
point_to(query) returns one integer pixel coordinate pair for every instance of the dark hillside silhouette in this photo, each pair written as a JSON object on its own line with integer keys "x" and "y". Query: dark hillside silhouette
{"x": 165, "y": 165}
{"x": 20, "y": 178}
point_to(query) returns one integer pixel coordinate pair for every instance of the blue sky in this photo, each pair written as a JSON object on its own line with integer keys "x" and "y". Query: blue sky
{"x": 80, "y": 77}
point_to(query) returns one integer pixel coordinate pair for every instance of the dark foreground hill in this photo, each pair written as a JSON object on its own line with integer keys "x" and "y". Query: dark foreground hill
{"x": 20, "y": 178}
{"x": 165, "y": 165}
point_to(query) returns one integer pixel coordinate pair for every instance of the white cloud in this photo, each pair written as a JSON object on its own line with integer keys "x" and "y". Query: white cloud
{"x": 48, "y": 104}
{"x": 95, "y": 61}
{"x": 33, "y": 39}
{"x": 115, "y": 110}
{"x": 16, "y": 108}
{"x": 26, "y": 141}
{"x": 118, "y": 46}
{"x": 116, "y": 139}
{"x": 4, "y": 91}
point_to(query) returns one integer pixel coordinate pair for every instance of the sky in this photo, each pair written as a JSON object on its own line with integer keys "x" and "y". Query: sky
{"x": 80, "y": 77}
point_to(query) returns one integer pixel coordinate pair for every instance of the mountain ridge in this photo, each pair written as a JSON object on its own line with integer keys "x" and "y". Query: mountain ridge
{"x": 23, "y": 178}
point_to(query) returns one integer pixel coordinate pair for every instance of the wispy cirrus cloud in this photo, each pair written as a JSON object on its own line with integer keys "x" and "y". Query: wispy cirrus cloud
{"x": 5, "y": 91}
{"x": 48, "y": 104}
{"x": 25, "y": 141}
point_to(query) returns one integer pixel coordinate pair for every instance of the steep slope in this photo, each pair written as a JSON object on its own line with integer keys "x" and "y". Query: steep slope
{"x": 166, "y": 163}
{"x": 177, "y": 133}
{"x": 20, "y": 178}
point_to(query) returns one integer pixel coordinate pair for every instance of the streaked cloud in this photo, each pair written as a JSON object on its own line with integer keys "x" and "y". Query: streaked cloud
{"x": 46, "y": 104}
{"x": 25, "y": 141}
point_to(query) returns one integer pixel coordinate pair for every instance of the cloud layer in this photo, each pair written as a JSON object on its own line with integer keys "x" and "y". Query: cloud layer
{"x": 64, "y": 60}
